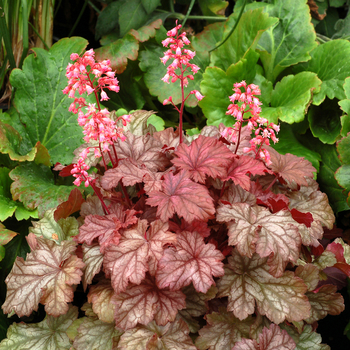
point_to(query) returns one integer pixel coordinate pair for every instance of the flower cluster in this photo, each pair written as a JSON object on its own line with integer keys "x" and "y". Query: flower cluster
{"x": 181, "y": 60}
{"x": 247, "y": 102}
{"x": 87, "y": 76}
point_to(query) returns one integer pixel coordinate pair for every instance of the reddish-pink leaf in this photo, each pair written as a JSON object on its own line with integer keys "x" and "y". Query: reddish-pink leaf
{"x": 190, "y": 261}
{"x": 127, "y": 170}
{"x": 247, "y": 283}
{"x": 206, "y": 156}
{"x": 240, "y": 167}
{"x": 143, "y": 150}
{"x": 46, "y": 276}
{"x": 290, "y": 167}
{"x": 272, "y": 338}
{"x": 145, "y": 302}
{"x": 256, "y": 229}
{"x": 105, "y": 228}
{"x": 196, "y": 225}
{"x": 168, "y": 138}
{"x": 188, "y": 199}
{"x": 137, "y": 253}
{"x": 72, "y": 205}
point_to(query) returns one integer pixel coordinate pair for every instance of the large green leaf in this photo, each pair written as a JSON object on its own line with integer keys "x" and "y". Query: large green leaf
{"x": 342, "y": 175}
{"x": 213, "y": 7}
{"x": 108, "y": 19}
{"x": 217, "y": 86}
{"x": 132, "y": 15}
{"x": 49, "y": 334}
{"x": 325, "y": 177}
{"x": 345, "y": 106}
{"x": 34, "y": 185}
{"x": 325, "y": 121}
{"x": 290, "y": 98}
{"x": 290, "y": 41}
{"x": 245, "y": 37}
{"x": 331, "y": 64}
{"x": 42, "y": 106}
{"x": 9, "y": 206}
{"x": 119, "y": 51}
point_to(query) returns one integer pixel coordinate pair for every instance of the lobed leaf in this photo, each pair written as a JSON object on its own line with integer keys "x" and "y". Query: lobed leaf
{"x": 144, "y": 302}
{"x": 325, "y": 301}
{"x": 46, "y": 276}
{"x": 49, "y": 334}
{"x": 222, "y": 331}
{"x": 95, "y": 334}
{"x": 247, "y": 283}
{"x": 137, "y": 253}
{"x": 255, "y": 229}
{"x": 291, "y": 168}
{"x": 190, "y": 261}
{"x": 179, "y": 194}
{"x": 153, "y": 337}
{"x": 240, "y": 167}
{"x": 206, "y": 156}
{"x": 272, "y": 338}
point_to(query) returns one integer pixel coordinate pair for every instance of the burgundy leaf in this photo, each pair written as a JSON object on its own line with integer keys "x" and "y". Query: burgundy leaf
{"x": 190, "y": 261}
{"x": 206, "y": 156}
{"x": 302, "y": 218}
{"x": 72, "y": 205}
{"x": 242, "y": 166}
{"x": 46, "y": 276}
{"x": 137, "y": 253}
{"x": 145, "y": 302}
{"x": 188, "y": 199}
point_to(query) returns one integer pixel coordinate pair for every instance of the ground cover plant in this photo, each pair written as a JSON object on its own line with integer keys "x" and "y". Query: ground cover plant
{"x": 302, "y": 96}
{"x": 209, "y": 241}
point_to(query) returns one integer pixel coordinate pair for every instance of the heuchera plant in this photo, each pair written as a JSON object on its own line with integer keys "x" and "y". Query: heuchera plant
{"x": 203, "y": 242}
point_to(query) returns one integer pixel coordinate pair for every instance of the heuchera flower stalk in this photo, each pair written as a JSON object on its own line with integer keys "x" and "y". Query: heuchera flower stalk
{"x": 178, "y": 69}
{"x": 87, "y": 76}
{"x": 247, "y": 102}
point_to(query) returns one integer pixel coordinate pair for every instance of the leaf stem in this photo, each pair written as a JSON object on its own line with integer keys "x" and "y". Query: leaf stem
{"x": 188, "y": 13}
{"x": 233, "y": 29}
{"x": 99, "y": 197}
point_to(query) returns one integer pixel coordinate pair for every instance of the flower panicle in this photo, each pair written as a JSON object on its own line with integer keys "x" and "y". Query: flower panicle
{"x": 181, "y": 56}
{"x": 243, "y": 102}
{"x": 86, "y": 75}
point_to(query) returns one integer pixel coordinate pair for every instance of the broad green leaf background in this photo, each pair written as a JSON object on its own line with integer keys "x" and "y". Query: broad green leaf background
{"x": 39, "y": 100}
